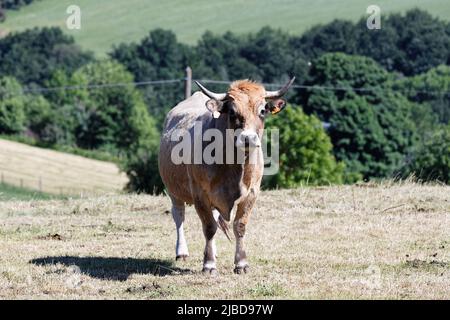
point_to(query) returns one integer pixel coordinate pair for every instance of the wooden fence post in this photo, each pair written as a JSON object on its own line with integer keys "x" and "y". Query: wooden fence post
{"x": 188, "y": 82}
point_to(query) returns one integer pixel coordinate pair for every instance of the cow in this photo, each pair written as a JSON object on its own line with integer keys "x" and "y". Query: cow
{"x": 217, "y": 190}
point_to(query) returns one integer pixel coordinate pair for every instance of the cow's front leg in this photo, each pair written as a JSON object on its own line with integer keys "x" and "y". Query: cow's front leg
{"x": 182, "y": 251}
{"x": 243, "y": 212}
{"x": 209, "y": 230}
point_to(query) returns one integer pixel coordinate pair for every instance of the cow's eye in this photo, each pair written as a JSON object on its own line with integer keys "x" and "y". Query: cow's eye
{"x": 232, "y": 113}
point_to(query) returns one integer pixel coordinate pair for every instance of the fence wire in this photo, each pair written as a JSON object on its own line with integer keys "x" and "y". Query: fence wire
{"x": 38, "y": 90}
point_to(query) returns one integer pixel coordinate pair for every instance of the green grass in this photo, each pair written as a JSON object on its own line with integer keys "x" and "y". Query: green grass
{"x": 108, "y": 22}
{"x": 10, "y": 193}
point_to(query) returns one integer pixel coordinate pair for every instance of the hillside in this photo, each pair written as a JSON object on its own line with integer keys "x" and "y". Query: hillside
{"x": 380, "y": 241}
{"x": 56, "y": 172}
{"x": 11, "y": 193}
{"x": 108, "y": 22}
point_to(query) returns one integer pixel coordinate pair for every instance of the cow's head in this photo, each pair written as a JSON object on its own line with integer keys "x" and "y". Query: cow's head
{"x": 244, "y": 107}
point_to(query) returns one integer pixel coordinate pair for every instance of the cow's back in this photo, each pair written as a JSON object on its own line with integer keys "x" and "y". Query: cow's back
{"x": 182, "y": 117}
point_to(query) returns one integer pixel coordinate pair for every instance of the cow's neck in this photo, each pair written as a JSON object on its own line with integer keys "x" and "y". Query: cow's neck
{"x": 246, "y": 171}
{"x": 232, "y": 182}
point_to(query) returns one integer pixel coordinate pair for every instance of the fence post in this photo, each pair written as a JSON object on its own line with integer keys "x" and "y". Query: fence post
{"x": 40, "y": 184}
{"x": 188, "y": 82}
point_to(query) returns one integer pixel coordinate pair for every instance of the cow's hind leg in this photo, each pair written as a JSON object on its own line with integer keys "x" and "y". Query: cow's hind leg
{"x": 178, "y": 216}
{"x": 209, "y": 230}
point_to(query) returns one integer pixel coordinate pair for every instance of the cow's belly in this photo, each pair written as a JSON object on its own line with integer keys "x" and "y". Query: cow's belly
{"x": 174, "y": 176}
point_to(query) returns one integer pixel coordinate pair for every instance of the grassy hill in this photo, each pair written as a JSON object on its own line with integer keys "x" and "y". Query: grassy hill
{"x": 11, "y": 193}
{"x": 375, "y": 241}
{"x": 56, "y": 172}
{"x": 108, "y": 22}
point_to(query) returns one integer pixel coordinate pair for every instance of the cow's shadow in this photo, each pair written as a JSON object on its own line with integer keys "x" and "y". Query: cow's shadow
{"x": 113, "y": 268}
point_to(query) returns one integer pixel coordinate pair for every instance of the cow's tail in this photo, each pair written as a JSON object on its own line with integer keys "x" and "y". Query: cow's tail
{"x": 222, "y": 224}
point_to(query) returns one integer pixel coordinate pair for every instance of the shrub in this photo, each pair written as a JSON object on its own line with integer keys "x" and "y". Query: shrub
{"x": 305, "y": 151}
{"x": 370, "y": 127}
{"x": 12, "y": 115}
{"x": 431, "y": 88}
{"x": 116, "y": 119}
{"x": 431, "y": 161}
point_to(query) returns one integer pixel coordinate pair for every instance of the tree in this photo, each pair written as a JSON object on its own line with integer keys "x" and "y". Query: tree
{"x": 33, "y": 55}
{"x": 370, "y": 125}
{"x": 265, "y": 56}
{"x": 431, "y": 88}
{"x": 409, "y": 44}
{"x": 11, "y": 5}
{"x": 113, "y": 119}
{"x": 141, "y": 166}
{"x": 431, "y": 160}
{"x": 103, "y": 117}
{"x": 305, "y": 152}
{"x": 157, "y": 57}
{"x": 222, "y": 56}
{"x": 14, "y": 4}
{"x": 423, "y": 41}
{"x": 38, "y": 113}
{"x": 12, "y": 115}
{"x": 336, "y": 36}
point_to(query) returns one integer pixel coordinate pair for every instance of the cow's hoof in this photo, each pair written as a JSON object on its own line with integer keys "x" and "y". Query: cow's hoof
{"x": 210, "y": 271}
{"x": 182, "y": 257}
{"x": 241, "y": 269}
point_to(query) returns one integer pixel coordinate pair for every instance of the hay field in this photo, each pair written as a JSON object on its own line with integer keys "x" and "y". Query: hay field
{"x": 56, "y": 172}
{"x": 375, "y": 241}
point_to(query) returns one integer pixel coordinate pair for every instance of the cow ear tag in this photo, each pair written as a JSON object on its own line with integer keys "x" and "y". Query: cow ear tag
{"x": 278, "y": 106}
{"x": 214, "y": 106}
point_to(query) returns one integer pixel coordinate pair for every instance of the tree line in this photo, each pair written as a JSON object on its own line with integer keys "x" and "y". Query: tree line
{"x": 383, "y": 93}
{"x": 11, "y": 5}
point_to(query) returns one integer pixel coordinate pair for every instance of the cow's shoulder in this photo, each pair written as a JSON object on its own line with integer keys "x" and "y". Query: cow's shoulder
{"x": 185, "y": 113}
{"x": 194, "y": 105}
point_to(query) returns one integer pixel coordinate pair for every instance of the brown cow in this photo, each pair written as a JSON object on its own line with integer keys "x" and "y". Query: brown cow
{"x": 216, "y": 188}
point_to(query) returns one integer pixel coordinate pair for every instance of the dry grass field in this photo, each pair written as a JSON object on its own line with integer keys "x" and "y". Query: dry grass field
{"x": 56, "y": 172}
{"x": 376, "y": 241}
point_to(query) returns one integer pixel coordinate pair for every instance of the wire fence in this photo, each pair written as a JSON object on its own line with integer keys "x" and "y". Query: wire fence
{"x": 333, "y": 88}
{"x": 162, "y": 82}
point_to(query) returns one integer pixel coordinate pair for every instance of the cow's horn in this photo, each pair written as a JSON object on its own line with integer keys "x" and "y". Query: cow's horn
{"x": 281, "y": 92}
{"x": 212, "y": 95}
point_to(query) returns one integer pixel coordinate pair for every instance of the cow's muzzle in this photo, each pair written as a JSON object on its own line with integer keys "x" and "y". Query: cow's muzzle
{"x": 248, "y": 140}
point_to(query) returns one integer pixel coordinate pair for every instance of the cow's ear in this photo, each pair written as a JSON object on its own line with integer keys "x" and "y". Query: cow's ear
{"x": 215, "y": 106}
{"x": 275, "y": 106}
